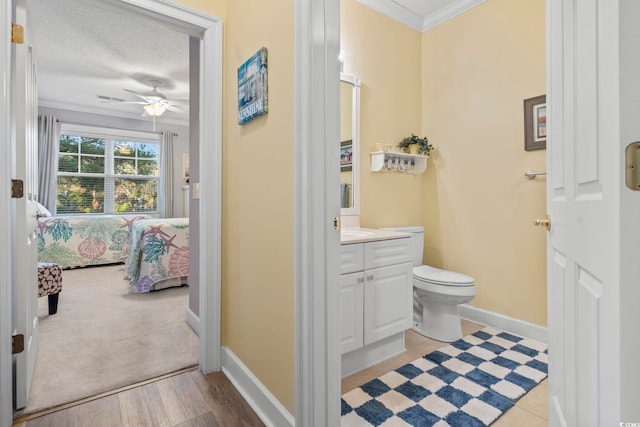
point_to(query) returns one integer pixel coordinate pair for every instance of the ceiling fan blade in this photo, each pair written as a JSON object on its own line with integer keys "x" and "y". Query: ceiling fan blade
{"x": 104, "y": 98}
{"x": 154, "y": 100}
{"x": 123, "y": 102}
{"x": 132, "y": 91}
{"x": 138, "y": 94}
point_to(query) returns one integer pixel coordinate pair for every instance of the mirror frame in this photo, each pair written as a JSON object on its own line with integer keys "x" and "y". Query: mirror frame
{"x": 355, "y": 162}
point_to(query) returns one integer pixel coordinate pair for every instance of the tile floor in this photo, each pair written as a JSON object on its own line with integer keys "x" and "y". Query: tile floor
{"x": 529, "y": 411}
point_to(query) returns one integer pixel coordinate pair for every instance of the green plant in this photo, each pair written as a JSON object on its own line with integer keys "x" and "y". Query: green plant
{"x": 423, "y": 144}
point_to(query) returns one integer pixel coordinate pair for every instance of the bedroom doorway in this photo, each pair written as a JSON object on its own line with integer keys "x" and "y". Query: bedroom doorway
{"x": 205, "y": 32}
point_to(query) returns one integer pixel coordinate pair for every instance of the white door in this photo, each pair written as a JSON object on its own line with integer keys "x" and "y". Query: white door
{"x": 25, "y": 145}
{"x": 592, "y": 254}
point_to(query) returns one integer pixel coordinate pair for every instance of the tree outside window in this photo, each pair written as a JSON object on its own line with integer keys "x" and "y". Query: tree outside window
{"x": 107, "y": 175}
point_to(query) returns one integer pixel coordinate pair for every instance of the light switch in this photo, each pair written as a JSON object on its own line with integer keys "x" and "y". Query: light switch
{"x": 195, "y": 190}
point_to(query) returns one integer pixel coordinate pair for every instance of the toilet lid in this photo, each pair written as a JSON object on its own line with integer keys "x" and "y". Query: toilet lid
{"x": 442, "y": 277}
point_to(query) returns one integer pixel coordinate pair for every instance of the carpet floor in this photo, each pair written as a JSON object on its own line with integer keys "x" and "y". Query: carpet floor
{"x": 104, "y": 337}
{"x": 468, "y": 383}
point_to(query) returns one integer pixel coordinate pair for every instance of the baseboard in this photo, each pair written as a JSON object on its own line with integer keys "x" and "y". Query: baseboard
{"x": 365, "y": 357}
{"x": 193, "y": 321}
{"x": 265, "y": 404}
{"x": 500, "y": 321}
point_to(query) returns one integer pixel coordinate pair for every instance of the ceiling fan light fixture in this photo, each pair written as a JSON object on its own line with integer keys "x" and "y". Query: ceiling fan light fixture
{"x": 154, "y": 110}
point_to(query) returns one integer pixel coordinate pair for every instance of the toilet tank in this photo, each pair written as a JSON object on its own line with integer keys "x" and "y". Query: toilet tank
{"x": 417, "y": 241}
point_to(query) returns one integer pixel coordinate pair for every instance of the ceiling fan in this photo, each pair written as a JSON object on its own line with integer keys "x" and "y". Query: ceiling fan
{"x": 154, "y": 102}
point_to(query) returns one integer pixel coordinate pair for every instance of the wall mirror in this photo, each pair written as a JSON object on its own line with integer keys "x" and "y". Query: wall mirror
{"x": 349, "y": 145}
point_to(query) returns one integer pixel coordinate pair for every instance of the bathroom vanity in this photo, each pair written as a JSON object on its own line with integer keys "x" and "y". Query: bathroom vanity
{"x": 376, "y": 296}
{"x": 376, "y": 280}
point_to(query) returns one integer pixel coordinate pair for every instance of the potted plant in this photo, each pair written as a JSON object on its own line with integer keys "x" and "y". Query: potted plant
{"x": 416, "y": 145}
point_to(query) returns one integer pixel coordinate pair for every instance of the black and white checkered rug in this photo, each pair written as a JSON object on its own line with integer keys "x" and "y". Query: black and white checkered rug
{"x": 470, "y": 382}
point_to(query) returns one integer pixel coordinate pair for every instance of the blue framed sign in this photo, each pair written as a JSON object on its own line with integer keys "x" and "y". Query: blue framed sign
{"x": 252, "y": 87}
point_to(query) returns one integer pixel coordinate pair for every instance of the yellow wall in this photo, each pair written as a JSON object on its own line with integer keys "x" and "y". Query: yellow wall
{"x": 385, "y": 55}
{"x": 257, "y": 198}
{"x": 461, "y": 84}
{"x": 258, "y": 239}
{"x": 476, "y": 71}
{"x": 211, "y": 7}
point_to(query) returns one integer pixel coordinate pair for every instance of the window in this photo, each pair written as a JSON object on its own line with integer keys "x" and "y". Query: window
{"x": 107, "y": 171}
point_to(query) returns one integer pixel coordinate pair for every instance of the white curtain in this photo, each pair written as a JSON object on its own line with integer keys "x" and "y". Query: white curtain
{"x": 48, "y": 139}
{"x": 166, "y": 175}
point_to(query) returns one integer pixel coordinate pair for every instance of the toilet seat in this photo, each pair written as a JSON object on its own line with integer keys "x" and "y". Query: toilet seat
{"x": 436, "y": 276}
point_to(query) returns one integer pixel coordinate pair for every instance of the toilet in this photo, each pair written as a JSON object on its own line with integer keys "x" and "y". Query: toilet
{"x": 436, "y": 293}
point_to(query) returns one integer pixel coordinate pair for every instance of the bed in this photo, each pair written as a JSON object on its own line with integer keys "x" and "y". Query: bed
{"x": 81, "y": 240}
{"x": 157, "y": 254}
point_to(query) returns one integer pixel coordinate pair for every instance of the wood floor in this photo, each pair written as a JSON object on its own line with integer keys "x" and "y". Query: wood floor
{"x": 191, "y": 399}
{"x": 188, "y": 399}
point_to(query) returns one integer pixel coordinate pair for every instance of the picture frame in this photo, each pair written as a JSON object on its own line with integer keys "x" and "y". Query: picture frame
{"x": 346, "y": 155}
{"x": 535, "y": 123}
{"x": 253, "y": 96}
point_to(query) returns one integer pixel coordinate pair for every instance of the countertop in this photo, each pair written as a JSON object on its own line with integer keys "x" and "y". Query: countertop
{"x": 361, "y": 235}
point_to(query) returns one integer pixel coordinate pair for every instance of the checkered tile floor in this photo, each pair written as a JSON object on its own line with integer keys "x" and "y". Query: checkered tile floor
{"x": 470, "y": 382}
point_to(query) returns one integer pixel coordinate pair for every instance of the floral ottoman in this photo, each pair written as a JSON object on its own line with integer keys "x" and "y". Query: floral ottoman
{"x": 50, "y": 283}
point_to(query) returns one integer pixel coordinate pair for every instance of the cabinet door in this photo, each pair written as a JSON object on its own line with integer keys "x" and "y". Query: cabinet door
{"x": 388, "y": 296}
{"x": 351, "y": 311}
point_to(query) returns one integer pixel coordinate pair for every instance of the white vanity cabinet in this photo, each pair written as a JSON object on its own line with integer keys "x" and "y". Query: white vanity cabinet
{"x": 376, "y": 292}
{"x": 351, "y": 311}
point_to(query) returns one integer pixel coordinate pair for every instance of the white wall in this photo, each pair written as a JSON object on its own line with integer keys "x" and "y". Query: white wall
{"x": 181, "y": 141}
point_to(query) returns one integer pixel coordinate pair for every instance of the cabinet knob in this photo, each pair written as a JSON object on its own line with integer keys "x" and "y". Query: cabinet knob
{"x": 370, "y": 277}
{"x": 360, "y": 279}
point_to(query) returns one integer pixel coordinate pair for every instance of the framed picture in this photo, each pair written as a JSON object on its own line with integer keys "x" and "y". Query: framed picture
{"x": 535, "y": 123}
{"x": 252, "y": 87}
{"x": 346, "y": 155}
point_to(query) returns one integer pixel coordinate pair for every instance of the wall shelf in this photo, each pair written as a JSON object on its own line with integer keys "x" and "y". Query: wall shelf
{"x": 389, "y": 161}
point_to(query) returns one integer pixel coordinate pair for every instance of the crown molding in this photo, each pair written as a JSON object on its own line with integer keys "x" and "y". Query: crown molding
{"x": 394, "y": 11}
{"x": 106, "y": 112}
{"x": 419, "y": 23}
{"x": 448, "y": 12}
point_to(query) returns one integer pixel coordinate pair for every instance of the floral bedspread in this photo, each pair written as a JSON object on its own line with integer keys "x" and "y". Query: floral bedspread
{"x": 158, "y": 250}
{"x": 78, "y": 241}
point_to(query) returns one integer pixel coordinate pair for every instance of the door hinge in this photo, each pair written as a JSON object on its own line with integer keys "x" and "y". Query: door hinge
{"x": 17, "y": 344}
{"x": 17, "y": 188}
{"x": 17, "y": 34}
{"x": 632, "y": 160}
{"x": 336, "y": 223}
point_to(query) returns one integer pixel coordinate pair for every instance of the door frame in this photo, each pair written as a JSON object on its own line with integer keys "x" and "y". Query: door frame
{"x": 6, "y": 256}
{"x": 316, "y": 121}
{"x": 209, "y": 30}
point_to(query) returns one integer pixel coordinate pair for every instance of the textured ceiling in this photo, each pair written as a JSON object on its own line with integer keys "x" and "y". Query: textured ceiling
{"x": 83, "y": 50}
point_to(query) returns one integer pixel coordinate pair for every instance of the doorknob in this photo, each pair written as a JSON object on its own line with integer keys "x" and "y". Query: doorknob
{"x": 546, "y": 222}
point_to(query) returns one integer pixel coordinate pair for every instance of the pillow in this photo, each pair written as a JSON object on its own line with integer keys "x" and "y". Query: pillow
{"x": 42, "y": 211}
